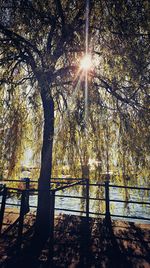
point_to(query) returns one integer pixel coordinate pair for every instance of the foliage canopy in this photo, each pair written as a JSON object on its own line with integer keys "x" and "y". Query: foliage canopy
{"x": 41, "y": 46}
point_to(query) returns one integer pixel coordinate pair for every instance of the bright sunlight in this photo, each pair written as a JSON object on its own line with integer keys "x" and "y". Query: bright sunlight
{"x": 86, "y": 62}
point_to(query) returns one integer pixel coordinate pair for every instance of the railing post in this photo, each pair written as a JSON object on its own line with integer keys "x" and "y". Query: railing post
{"x": 27, "y": 187}
{"x": 3, "y": 207}
{"x": 21, "y": 219}
{"x": 27, "y": 182}
{"x": 51, "y": 234}
{"x": 87, "y": 248}
{"x": 107, "y": 212}
{"x": 85, "y": 232}
{"x": 87, "y": 199}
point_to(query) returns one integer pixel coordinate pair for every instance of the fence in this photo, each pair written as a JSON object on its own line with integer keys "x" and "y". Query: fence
{"x": 66, "y": 183}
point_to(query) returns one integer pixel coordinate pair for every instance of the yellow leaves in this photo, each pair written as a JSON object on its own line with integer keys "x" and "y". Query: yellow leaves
{"x": 14, "y": 115}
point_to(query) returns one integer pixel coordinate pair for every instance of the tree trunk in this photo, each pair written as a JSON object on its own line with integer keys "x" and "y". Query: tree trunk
{"x": 42, "y": 225}
{"x": 43, "y": 210}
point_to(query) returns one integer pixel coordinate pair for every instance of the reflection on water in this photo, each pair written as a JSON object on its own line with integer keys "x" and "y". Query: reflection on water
{"x": 97, "y": 206}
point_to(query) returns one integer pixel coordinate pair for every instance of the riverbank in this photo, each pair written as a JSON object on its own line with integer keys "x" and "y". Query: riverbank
{"x": 121, "y": 244}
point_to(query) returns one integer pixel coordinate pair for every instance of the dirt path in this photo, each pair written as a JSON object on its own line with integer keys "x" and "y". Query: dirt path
{"x": 119, "y": 244}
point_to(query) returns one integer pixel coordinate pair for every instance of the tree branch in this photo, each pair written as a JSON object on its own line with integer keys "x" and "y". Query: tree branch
{"x": 50, "y": 36}
{"x": 61, "y": 14}
{"x": 130, "y": 102}
{"x": 16, "y": 38}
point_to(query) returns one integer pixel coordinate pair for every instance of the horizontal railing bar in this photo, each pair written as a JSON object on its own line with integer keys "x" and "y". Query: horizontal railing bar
{"x": 97, "y": 184}
{"x": 79, "y": 211}
{"x": 51, "y": 181}
{"x": 101, "y": 199}
{"x": 71, "y": 210}
{"x": 33, "y": 181}
{"x": 36, "y": 190}
{"x": 12, "y": 204}
{"x": 130, "y": 201}
{"x": 96, "y": 213}
{"x": 92, "y": 213}
{"x": 60, "y": 182}
{"x": 21, "y": 180}
{"x": 131, "y": 217}
{"x": 68, "y": 179}
{"x": 70, "y": 196}
{"x": 121, "y": 186}
{"x": 111, "y": 185}
{"x": 65, "y": 187}
{"x": 90, "y": 184}
{"x": 9, "y": 180}
{"x": 27, "y": 190}
{"x": 117, "y": 201}
{"x": 97, "y": 199}
{"x": 129, "y": 187}
{"x": 80, "y": 197}
{"x": 67, "y": 183}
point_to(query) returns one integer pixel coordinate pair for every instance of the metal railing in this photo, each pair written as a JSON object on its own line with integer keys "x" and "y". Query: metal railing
{"x": 25, "y": 207}
{"x": 63, "y": 184}
{"x": 71, "y": 182}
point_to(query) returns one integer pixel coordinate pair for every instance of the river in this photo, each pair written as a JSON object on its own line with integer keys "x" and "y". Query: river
{"x": 96, "y": 206}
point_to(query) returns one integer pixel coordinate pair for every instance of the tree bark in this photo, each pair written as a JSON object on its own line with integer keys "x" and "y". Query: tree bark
{"x": 42, "y": 224}
{"x": 43, "y": 210}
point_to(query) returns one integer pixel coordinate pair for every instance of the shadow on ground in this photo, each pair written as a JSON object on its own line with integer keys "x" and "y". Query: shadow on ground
{"x": 100, "y": 243}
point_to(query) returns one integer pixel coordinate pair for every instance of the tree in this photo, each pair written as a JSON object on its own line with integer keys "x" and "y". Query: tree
{"x": 36, "y": 41}
{"x": 118, "y": 86}
{"x": 41, "y": 44}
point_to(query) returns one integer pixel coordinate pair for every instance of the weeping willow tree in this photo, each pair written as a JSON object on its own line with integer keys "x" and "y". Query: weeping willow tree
{"x": 14, "y": 128}
{"x": 118, "y": 91}
{"x": 36, "y": 43}
{"x": 117, "y": 140}
{"x": 41, "y": 46}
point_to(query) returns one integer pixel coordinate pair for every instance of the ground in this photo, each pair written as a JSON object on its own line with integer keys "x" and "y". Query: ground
{"x": 103, "y": 244}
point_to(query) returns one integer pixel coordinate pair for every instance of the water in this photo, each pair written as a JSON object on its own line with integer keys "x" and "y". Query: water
{"x": 123, "y": 209}
{"x": 129, "y": 209}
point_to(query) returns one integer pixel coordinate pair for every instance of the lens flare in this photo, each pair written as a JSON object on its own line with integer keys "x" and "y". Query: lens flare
{"x": 86, "y": 62}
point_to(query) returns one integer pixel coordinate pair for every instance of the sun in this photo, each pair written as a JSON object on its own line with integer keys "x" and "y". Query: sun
{"x": 86, "y": 62}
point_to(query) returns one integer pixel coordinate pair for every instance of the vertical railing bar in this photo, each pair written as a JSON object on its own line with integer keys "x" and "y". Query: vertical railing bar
{"x": 3, "y": 207}
{"x": 107, "y": 203}
{"x": 87, "y": 225}
{"x": 21, "y": 220}
{"x": 85, "y": 232}
{"x": 87, "y": 199}
{"x": 27, "y": 186}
